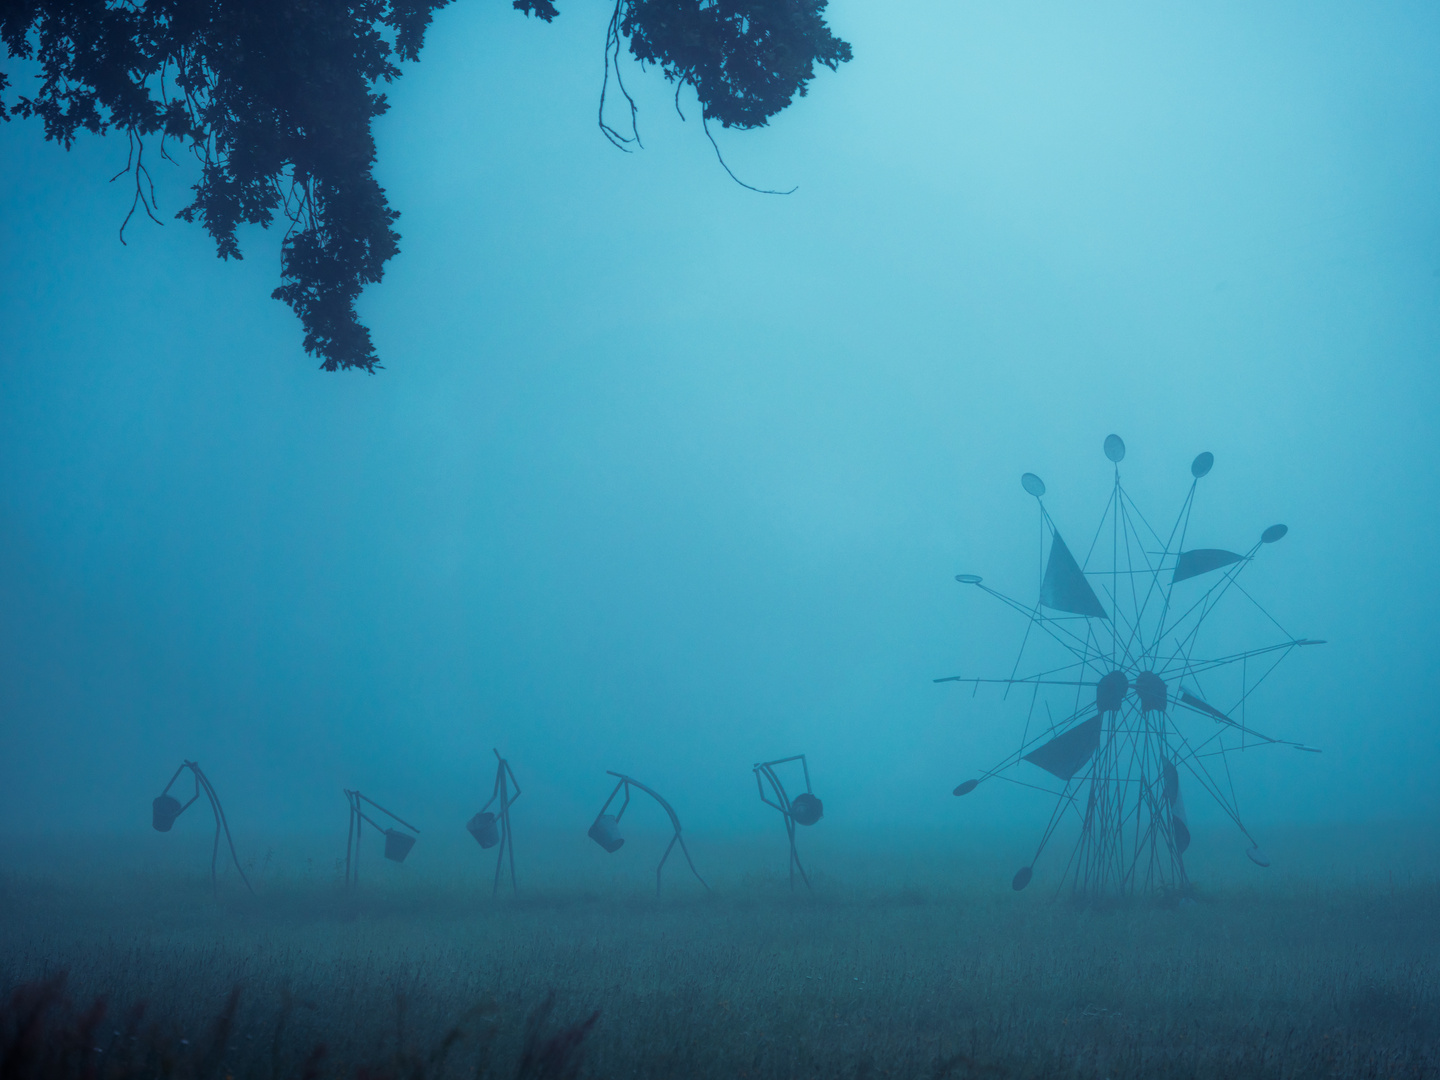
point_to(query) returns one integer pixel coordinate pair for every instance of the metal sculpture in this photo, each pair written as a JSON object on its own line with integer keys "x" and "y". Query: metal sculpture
{"x": 605, "y": 830}
{"x": 804, "y": 809}
{"x": 1119, "y": 760}
{"x": 490, "y": 829}
{"x": 397, "y": 843}
{"x": 165, "y": 808}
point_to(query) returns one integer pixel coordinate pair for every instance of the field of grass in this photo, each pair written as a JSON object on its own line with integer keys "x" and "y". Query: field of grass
{"x": 867, "y": 977}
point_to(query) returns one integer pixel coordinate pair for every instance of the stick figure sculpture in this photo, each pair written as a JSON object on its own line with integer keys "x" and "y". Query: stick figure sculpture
{"x": 490, "y": 829}
{"x": 166, "y": 808}
{"x": 605, "y": 830}
{"x": 804, "y": 809}
{"x": 397, "y": 843}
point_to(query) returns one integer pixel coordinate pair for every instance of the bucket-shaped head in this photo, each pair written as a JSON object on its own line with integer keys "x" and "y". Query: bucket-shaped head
{"x": 606, "y": 833}
{"x": 163, "y": 812}
{"x": 806, "y": 809}
{"x": 484, "y": 829}
{"x": 397, "y": 845}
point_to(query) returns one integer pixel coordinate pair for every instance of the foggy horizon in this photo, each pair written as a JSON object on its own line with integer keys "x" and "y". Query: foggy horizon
{"x": 668, "y": 477}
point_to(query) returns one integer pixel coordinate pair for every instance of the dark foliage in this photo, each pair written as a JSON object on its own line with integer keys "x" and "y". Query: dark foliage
{"x": 746, "y": 59}
{"x": 44, "y": 1036}
{"x": 276, "y": 100}
{"x": 555, "y": 1056}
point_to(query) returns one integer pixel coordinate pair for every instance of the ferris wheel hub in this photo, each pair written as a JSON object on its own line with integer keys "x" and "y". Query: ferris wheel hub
{"x": 1111, "y": 691}
{"x": 1153, "y": 693}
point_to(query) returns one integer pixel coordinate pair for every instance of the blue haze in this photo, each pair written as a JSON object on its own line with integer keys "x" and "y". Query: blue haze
{"x": 670, "y": 477}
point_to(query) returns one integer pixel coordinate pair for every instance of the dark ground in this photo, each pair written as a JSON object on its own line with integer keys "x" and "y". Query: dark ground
{"x": 863, "y": 978}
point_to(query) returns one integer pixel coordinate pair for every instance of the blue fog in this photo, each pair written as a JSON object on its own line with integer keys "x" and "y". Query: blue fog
{"x": 669, "y": 477}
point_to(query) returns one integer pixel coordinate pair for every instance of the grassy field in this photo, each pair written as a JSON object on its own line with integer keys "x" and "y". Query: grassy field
{"x": 891, "y": 976}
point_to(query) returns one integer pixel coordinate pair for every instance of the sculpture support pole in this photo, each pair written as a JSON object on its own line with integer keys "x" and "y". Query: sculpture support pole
{"x": 500, "y": 855}
{"x": 765, "y": 771}
{"x": 661, "y": 865}
{"x": 352, "y": 840}
{"x": 202, "y": 783}
{"x": 504, "y": 779}
{"x": 627, "y": 782}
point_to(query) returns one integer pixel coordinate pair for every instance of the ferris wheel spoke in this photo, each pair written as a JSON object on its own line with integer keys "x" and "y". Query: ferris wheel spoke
{"x": 1154, "y": 571}
{"x": 1137, "y": 604}
{"x": 1045, "y": 677}
{"x": 1180, "y": 528}
{"x": 1261, "y": 608}
{"x": 1199, "y": 667}
{"x": 1120, "y": 653}
{"x": 1212, "y": 597}
{"x": 1064, "y": 795}
{"x": 1250, "y": 689}
{"x": 1015, "y": 757}
{"x": 1140, "y": 606}
{"x": 1075, "y": 644}
{"x": 1202, "y": 776}
{"x": 1205, "y": 602}
{"x": 1133, "y": 508}
{"x": 1017, "y": 682}
{"x": 1188, "y": 754}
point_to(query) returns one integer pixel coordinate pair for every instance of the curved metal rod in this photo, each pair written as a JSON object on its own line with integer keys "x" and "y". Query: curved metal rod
{"x": 202, "y": 783}
{"x": 221, "y": 823}
{"x": 352, "y": 838}
{"x": 766, "y": 769}
{"x": 627, "y": 782}
{"x": 777, "y": 789}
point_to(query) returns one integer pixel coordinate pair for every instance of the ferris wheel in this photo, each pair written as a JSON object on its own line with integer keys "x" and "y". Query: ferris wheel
{"x": 1129, "y": 703}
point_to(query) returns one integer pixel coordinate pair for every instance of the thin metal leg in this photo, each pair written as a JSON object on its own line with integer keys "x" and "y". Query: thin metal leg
{"x": 510, "y": 849}
{"x": 662, "y": 862}
{"x": 686, "y": 852}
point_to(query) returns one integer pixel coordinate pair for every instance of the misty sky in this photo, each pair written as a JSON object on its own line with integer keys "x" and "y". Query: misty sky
{"x": 670, "y": 477}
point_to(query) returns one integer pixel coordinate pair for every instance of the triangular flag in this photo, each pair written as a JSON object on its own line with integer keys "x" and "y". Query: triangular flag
{"x": 1065, "y": 587}
{"x": 1064, "y": 755}
{"x": 1201, "y": 561}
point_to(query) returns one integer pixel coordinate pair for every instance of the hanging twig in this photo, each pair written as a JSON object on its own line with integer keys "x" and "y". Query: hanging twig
{"x": 705, "y": 124}
{"x": 612, "y": 44}
{"x": 135, "y": 161}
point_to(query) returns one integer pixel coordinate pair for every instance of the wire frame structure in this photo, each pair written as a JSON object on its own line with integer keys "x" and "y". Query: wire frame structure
{"x": 397, "y": 843}
{"x": 492, "y": 828}
{"x": 804, "y": 809}
{"x": 1138, "y": 687}
{"x": 165, "y": 808}
{"x": 605, "y": 829}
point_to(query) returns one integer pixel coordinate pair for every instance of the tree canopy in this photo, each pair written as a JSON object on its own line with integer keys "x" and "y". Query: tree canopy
{"x": 276, "y": 99}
